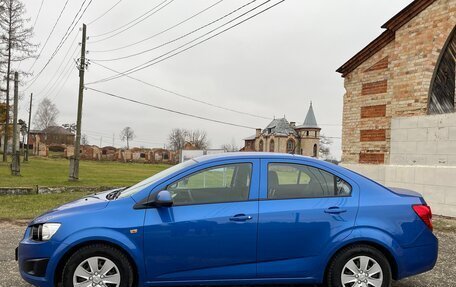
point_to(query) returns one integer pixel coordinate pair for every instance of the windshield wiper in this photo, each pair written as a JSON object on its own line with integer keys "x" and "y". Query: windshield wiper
{"x": 115, "y": 194}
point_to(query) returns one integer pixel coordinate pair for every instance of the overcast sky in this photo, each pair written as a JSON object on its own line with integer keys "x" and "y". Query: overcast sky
{"x": 271, "y": 65}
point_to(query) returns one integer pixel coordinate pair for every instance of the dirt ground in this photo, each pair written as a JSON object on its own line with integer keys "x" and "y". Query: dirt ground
{"x": 443, "y": 275}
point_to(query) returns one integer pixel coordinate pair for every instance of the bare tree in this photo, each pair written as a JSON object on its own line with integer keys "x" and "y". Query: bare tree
{"x": 14, "y": 44}
{"x": 84, "y": 140}
{"x": 325, "y": 144}
{"x": 231, "y": 147}
{"x": 198, "y": 138}
{"x": 70, "y": 127}
{"x": 46, "y": 114}
{"x": 127, "y": 134}
{"x": 177, "y": 138}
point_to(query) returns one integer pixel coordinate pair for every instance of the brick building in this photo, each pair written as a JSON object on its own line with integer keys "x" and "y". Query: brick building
{"x": 286, "y": 137}
{"x": 397, "y": 75}
{"x": 399, "y": 120}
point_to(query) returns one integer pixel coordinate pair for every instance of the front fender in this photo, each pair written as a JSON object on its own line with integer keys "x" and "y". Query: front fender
{"x": 131, "y": 245}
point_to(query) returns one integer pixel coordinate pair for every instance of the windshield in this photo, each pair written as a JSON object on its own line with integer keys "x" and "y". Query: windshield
{"x": 143, "y": 184}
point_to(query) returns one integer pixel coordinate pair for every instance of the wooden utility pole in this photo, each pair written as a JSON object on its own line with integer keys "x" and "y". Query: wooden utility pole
{"x": 5, "y": 136}
{"x": 15, "y": 165}
{"x": 26, "y": 155}
{"x": 74, "y": 161}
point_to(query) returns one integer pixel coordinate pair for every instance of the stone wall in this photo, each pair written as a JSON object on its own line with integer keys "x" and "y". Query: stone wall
{"x": 395, "y": 82}
{"x": 423, "y": 158}
{"x": 437, "y": 184}
{"x": 49, "y": 190}
{"x": 424, "y": 140}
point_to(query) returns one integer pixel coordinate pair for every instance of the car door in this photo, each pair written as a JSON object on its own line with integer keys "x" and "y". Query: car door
{"x": 211, "y": 230}
{"x": 303, "y": 208}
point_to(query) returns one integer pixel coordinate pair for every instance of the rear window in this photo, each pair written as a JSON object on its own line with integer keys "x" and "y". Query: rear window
{"x": 302, "y": 181}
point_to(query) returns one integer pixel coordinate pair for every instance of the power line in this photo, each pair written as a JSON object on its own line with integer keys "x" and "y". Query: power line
{"x": 128, "y": 28}
{"x": 156, "y": 61}
{"x": 63, "y": 40}
{"x": 161, "y": 32}
{"x": 50, "y": 34}
{"x": 65, "y": 75}
{"x": 38, "y": 14}
{"x": 184, "y": 96}
{"x": 102, "y": 15}
{"x": 193, "y": 99}
{"x": 183, "y": 36}
{"x": 58, "y": 69}
{"x": 170, "y": 110}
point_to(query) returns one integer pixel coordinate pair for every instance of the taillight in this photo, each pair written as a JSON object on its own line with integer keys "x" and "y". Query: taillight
{"x": 425, "y": 213}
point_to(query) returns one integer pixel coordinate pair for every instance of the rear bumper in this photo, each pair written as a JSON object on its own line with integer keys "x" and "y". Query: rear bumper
{"x": 418, "y": 259}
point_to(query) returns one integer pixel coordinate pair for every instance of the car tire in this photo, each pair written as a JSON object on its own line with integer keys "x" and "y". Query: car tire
{"x": 340, "y": 272}
{"x": 110, "y": 265}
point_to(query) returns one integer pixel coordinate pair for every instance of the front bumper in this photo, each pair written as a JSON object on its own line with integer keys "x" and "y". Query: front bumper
{"x": 35, "y": 262}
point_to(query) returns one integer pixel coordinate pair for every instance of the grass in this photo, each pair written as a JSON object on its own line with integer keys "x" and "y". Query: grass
{"x": 12, "y": 206}
{"x": 53, "y": 172}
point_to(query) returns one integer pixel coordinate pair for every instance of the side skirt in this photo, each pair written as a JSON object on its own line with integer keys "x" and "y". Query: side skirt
{"x": 264, "y": 281}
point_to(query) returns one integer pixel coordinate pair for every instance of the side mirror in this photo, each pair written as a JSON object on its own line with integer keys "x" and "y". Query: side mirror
{"x": 164, "y": 199}
{"x": 161, "y": 199}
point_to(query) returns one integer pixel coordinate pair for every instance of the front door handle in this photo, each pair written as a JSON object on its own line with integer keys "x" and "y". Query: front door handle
{"x": 240, "y": 218}
{"x": 335, "y": 210}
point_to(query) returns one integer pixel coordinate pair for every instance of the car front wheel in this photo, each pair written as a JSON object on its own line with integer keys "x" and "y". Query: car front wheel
{"x": 97, "y": 265}
{"x": 359, "y": 266}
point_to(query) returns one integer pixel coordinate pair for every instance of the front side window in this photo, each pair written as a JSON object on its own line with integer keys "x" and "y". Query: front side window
{"x": 227, "y": 183}
{"x": 287, "y": 181}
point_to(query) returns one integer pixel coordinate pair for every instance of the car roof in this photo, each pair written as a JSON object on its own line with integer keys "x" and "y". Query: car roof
{"x": 257, "y": 155}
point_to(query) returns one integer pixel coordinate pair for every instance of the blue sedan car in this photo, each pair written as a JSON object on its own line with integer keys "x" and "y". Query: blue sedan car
{"x": 244, "y": 218}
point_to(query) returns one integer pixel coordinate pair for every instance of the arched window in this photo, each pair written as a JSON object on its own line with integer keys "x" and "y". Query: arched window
{"x": 290, "y": 146}
{"x": 443, "y": 85}
{"x": 261, "y": 145}
{"x": 315, "y": 150}
{"x": 271, "y": 146}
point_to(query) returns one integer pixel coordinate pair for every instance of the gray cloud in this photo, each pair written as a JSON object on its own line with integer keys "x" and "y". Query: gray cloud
{"x": 273, "y": 65}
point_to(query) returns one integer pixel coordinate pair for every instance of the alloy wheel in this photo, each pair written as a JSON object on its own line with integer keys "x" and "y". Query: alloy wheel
{"x": 96, "y": 272}
{"x": 362, "y": 271}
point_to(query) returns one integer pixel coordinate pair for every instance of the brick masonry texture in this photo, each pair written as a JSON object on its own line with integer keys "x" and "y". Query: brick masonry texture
{"x": 374, "y": 88}
{"x": 372, "y": 135}
{"x": 412, "y": 59}
{"x": 373, "y": 111}
{"x": 380, "y": 65}
{"x": 372, "y": 158}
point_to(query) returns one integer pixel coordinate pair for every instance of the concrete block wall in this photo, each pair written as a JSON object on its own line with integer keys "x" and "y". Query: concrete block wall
{"x": 424, "y": 140}
{"x": 437, "y": 184}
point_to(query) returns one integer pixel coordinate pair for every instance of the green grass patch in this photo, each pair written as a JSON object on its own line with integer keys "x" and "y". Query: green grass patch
{"x": 17, "y": 207}
{"x": 53, "y": 172}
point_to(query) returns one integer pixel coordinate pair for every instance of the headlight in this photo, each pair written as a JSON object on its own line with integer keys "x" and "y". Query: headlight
{"x": 44, "y": 232}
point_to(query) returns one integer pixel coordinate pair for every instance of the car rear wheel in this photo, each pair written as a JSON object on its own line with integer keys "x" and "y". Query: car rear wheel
{"x": 97, "y": 265}
{"x": 359, "y": 266}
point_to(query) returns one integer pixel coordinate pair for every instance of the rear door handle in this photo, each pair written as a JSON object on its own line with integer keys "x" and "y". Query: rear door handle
{"x": 240, "y": 218}
{"x": 335, "y": 210}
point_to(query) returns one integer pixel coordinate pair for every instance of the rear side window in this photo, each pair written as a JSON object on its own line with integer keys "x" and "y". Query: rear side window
{"x": 287, "y": 181}
{"x": 227, "y": 183}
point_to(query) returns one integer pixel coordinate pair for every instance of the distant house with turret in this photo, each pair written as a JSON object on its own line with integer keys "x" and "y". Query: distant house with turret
{"x": 287, "y": 137}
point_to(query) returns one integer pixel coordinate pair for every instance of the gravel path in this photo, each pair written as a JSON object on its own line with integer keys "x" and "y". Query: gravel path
{"x": 443, "y": 275}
